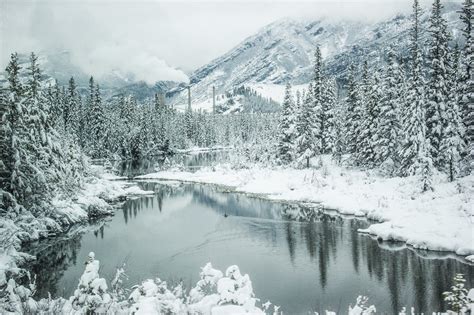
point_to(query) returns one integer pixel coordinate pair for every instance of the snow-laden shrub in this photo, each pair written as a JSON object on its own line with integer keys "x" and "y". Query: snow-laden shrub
{"x": 361, "y": 307}
{"x": 91, "y": 293}
{"x": 457, "y": 298}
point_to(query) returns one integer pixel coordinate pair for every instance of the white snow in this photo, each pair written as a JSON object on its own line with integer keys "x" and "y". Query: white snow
{"x": 275, "y": 92}
{"x": 95, "y": 193}
{"x": 439, "y": 220}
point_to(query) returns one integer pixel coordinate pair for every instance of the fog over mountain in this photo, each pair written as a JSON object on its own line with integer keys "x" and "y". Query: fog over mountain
{"x": 155, "y": 40}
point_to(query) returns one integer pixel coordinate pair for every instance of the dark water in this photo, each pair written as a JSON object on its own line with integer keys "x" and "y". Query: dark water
{"x": 297, "y": 257}
{"x": 187, "y": 162}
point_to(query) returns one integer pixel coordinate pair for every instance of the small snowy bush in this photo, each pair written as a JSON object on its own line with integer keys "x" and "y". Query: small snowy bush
{"x": 457, "y": 298}
{"x": 91, "y": 293}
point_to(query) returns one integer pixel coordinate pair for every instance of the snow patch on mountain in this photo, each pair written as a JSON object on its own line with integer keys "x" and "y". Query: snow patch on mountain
{"x": 283, "y": 52}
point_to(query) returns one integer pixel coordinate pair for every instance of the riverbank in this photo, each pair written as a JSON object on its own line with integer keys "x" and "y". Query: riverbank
{"x": 99, "y": 193}
{"x": 440, "y": 220}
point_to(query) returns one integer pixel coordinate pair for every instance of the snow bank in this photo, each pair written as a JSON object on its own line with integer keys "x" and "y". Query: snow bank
{"x": 275, "y": 92}
{"x": 436, "y": 220}
{"x": 95, "y": 197}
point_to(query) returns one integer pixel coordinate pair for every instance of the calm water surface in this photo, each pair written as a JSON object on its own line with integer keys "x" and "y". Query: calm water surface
{"x": 297, "y": 257}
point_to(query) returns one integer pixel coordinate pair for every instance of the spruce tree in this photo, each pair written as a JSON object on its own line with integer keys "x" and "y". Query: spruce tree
{"x": 354, "y": 113}
{"x": 97, "y": 124}
{"x": 16, "y": 133}
{"x": 285, "y": 145}
{"x": 70, "y": 112}
{"x": 415, "y": 156}
{"x": 338, "y": 133}
{"x": 388, "y": 131}
{"x": 368, "y": 134}
{"x": 452, "y": 144}
{"x": 437, "y": 93}
{"x": 305, "y": 145}
{"x": 38, "y": 144}
{"x": 467, "y": 83}
{"x": 317, "y": 117}
{"x": 328, "y": 103}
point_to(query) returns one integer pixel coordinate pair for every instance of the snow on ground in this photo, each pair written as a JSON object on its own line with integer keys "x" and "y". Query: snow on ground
{"x": 275, "y": 92}
{"x": 438, "y": 220}
{"x": 205, "y": 104}
{"x": 96, "y": 194}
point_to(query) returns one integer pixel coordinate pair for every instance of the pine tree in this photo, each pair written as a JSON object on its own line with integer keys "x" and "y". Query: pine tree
{"x": 338, "y": 134}
{"x": 370, "y": 123}
{"x": 388, "y": 130}
{"x": 437, "y": 94}
{"x": 5, "y": 149}
{"x": 467, "y": 83}
{"x": 328, "y": 102}
{"x": 305, "y": 129}
{"x": 452, "y": 144}
{"x": 38, "y": 144}
{"x": 15, "y": 130}
{"x": 354, "y": 113}
{"x": 317, "y": 115}
{"x": 71, "y": 111}
{"x": 415, "y": 156}
{"x": 97, "y": 124}
{"x": 87, "y": 113}
{"x": 366, "y": 108}
{"x": 285, "y": 145}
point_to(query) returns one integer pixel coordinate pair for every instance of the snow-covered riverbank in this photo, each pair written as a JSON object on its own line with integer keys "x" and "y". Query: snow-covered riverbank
{"x": 437, "y": 220}
{"x": 97, "y": 193}
{"x": 95, "y": 198}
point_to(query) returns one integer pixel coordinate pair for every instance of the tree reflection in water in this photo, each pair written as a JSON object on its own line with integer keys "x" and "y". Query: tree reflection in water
{"x": 306, "y": 233}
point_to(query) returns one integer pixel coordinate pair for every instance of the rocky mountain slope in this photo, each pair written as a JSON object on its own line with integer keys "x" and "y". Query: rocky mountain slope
{"x": 283, "y": 52}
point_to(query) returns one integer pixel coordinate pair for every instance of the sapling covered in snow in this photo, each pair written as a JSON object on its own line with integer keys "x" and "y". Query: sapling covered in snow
{"x": 91, "y": 294}
{"x": 457, "y": 298}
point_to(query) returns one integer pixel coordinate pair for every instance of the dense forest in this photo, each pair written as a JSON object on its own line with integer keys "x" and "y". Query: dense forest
{"x": 413, "y": 116}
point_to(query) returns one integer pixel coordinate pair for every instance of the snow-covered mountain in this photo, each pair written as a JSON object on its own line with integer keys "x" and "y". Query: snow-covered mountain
{"x": 280, "y": 52}
{"x": 283, "y": 52}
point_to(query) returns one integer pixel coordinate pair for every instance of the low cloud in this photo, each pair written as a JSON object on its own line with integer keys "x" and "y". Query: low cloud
{"x": 159, "y": 40}
{"x": 139, "y": 65}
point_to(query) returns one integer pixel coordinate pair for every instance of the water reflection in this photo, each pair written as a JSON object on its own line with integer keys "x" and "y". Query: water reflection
{"x": 188, "y": 162}
{"x": 297, "y": 256}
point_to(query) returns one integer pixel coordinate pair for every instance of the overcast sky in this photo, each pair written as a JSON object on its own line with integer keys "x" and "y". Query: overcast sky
{"x": 157, "y": 39}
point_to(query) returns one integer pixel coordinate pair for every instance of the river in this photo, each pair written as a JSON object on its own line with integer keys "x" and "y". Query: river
{"x": 298, "y": 256}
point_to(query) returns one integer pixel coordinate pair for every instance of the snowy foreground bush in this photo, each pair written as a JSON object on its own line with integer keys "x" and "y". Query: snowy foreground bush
{"x": 215, "y": 293}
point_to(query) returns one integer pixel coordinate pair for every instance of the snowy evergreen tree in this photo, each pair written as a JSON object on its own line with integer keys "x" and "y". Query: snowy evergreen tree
{"x": 328, "y": 103}
{"x": 467, "y": 83}
{"x": 305, "y": 127}
{"x": 457, "y": 297}
{"x": 437, "y": 92}
{"x": 37, "y": 144}
{"x": 97, "y": 124}
{"x": 414, "y": 154}
{"x": 285, "y": 145}
{"x": 317, "y": 110}
{"x": 338, "y": 135}
{"x": 452, "y": 144}
{"x": 354, "y": 114}
{"x": 16, "y": 133}
{"x": 388, "y": 129}
{"x": 72, "y": 110}
{"x": 368, "y": 134}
